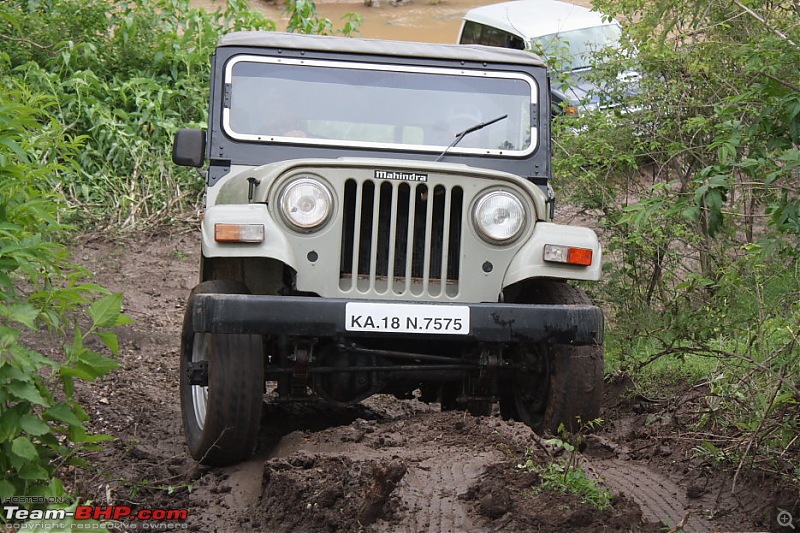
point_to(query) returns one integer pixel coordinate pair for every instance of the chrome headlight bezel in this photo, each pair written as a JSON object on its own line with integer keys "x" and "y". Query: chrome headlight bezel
{"x": 507, "y": 205}
{"x": 292, "y": 193}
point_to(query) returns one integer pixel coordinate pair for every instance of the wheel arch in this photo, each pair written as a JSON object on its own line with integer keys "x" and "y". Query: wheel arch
{"x": 261, "y": 275}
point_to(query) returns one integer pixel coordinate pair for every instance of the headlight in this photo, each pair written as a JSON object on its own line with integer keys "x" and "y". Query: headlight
{"x": 306, "y": 204}
{"x": 499, "y": 217}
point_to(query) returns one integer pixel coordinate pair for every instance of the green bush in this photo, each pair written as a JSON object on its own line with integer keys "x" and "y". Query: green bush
{"x": 128, "y": 76}
{"x": 696, "y": 194}
{"x": 42, "y": 427}
{"x": 125, "y": 76}
{"x": 91, "y": 93}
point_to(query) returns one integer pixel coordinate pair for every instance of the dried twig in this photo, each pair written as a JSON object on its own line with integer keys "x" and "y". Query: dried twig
{"x": 26, "y": 41}
{"x": 782, "y": 82}
{"x": 763, "y": 21}
{"x": 756, "y": 433}
{"x": 705, "y": 351}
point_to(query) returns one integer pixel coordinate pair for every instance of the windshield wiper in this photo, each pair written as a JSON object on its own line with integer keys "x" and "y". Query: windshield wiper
{"x": 464, "y": 133}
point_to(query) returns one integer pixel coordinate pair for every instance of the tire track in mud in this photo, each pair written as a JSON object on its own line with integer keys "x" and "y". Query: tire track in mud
{"x": 431, "y": 489}
{"x": 440, "y": 467}
{"x": 660, "y": 499}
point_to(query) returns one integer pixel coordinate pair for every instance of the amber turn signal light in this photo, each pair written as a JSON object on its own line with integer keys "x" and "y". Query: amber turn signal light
{"x": 239, "y": 232}
{"x": 555, "y": 253}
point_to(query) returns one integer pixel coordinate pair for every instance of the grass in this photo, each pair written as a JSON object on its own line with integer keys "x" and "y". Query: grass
{"x": 566, "y": 478}
{"x": 660, "y": 375}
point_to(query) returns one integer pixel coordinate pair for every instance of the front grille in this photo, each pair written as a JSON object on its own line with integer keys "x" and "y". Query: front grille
{"x": 400, "y": 236}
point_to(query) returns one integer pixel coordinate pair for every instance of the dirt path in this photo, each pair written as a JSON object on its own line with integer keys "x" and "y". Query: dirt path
{"x": 387, "y": 465}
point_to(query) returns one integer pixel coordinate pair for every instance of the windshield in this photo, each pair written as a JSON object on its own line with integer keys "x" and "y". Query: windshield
{"x": 575, "y": 48}
{"x": 279, "y": 100}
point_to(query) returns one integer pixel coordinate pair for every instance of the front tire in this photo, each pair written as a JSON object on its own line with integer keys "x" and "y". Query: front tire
{"x": 221, "y": 420}
{"x": 555, "y": 383}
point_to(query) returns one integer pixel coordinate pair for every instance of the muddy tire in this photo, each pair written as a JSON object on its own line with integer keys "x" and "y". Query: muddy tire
{"x": 221, "y": 421}
{"x": 556, "y": 383}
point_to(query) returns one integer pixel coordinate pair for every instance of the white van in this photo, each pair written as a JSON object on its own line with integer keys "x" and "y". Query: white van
{"x": 552, "y": 29}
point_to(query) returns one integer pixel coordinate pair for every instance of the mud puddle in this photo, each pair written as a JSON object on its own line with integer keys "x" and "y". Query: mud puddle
{"x": 403, "y": 20}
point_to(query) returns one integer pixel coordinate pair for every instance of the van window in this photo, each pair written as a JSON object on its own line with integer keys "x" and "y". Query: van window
{"x": 577, "y": 47}
{"x": 475, "y": 33}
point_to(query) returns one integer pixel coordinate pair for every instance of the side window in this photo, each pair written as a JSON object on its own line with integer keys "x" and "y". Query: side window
{"x": 471, "y": 33}
{"x": 474, "y": 33}
{"x": 515, "y": 42}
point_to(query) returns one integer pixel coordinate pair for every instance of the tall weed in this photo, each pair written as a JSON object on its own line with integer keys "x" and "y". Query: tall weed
{"x": 126, "y": 76}
{"x": 42, "y": 426}
{"x": 696, "y": 196}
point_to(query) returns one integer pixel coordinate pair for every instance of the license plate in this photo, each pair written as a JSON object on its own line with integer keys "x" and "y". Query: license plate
{"x": 407, "y": 318}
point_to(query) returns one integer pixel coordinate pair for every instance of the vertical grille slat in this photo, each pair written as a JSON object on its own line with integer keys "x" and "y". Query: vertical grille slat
{"x": 375, "y": 225}
{"x": 393, "y": 235}
{"x": 408, "y": 273}
{"x": 429, "y": 200}
{"x": 401, "y": 237}
{"x": 442, "y": 257}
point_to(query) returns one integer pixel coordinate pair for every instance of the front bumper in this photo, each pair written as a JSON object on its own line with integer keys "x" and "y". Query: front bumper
{"x": 325, "y": 317}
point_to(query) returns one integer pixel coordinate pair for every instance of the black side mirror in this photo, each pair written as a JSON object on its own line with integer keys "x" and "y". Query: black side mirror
{"x": 189, "y": 148}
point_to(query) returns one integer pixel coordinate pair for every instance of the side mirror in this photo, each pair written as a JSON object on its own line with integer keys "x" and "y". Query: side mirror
{"x": 189, "y": 148}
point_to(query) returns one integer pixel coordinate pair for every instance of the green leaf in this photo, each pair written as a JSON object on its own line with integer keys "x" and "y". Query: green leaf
{"x": 33, "y": 425}
{"x": 5, "y": 282}
{"x": 14, "y": 147}
{"x": 27, "y": 391}
{"x": 7, "y": 490}
{"x": 23, "y": 313}
{"x": 56, "y": 488}
{"x": 79, "y": 462}
{"x": 23, "y": 447}
{"x": 109, "y": 339}
{"x": 68, "y": 383}
{"x": 64, "y": 413}
{"x": 107, "y": 311}
{"x": 8, "y": 337}
{"x": 96, "y": 364}
{"x": 33, "y": 471}
{"x": 79, "y": 434}
{"x": 9, "y": 424}
{"x": 75, "y": 372}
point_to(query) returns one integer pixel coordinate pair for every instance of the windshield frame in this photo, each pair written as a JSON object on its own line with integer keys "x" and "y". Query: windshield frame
{"x": 531, "y": 93}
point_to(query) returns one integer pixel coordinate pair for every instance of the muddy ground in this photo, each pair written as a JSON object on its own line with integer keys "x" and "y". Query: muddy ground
{"x": 389, "y": 464}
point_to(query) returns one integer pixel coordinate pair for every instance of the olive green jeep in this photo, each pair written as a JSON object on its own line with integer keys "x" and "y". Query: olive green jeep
{"x": 379, "y": 219}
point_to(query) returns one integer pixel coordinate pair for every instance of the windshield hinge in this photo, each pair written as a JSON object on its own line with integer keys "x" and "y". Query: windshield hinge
{"x": 252, "y": 183}
{"x": 551, "y": 200}
{"x": 226, "y": 96}
{"x": 534, "y": 115}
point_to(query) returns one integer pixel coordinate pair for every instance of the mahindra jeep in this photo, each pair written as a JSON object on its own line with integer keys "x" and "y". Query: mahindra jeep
{"x": 378, "y": 219}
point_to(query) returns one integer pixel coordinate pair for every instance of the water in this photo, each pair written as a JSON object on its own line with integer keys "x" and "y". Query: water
{"x": 417, "y": 20}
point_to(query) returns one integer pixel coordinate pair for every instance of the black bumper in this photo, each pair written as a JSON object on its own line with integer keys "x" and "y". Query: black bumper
{"x": 325, "y": 317}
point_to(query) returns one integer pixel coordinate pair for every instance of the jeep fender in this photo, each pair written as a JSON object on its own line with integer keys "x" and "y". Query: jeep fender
{"x": 274, "y": 246}
{"x": 529, "y": 260}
